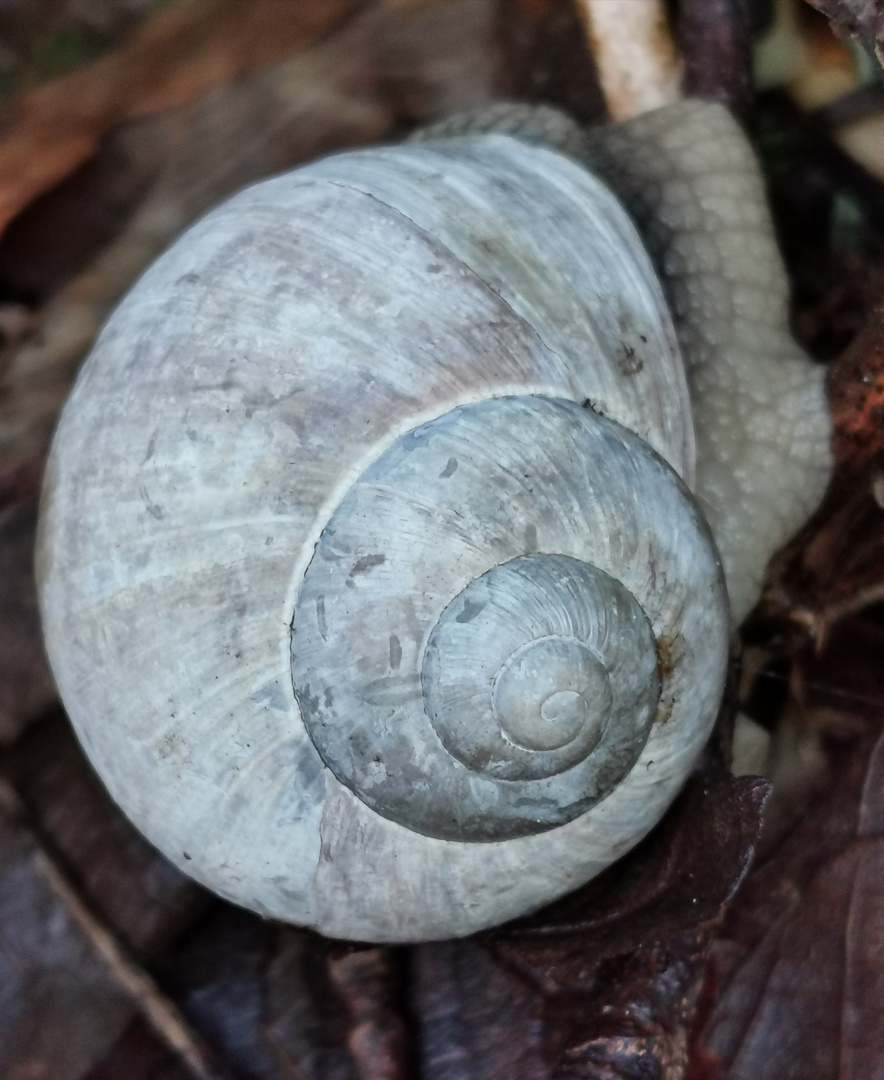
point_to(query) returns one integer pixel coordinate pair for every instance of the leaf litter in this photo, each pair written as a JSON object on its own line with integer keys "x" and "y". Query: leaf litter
{"x": 111, "y": 963}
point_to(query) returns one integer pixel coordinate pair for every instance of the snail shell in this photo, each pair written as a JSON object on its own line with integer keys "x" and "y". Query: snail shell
{"x": 370, "y": 572}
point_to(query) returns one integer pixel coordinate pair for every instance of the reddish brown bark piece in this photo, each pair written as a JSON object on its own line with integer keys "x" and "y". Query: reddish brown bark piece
{"x": 857, "y": 395}
{"x": 801, "y": 962}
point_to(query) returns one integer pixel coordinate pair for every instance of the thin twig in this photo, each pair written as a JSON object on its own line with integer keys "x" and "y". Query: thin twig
{"x": 637, "y": 61}
{"x": 158, "y": 1010}
{"x": 715, "y": 41}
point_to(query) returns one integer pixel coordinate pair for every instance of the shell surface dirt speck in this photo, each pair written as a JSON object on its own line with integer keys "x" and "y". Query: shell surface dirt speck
{"x": 354, "y": 604}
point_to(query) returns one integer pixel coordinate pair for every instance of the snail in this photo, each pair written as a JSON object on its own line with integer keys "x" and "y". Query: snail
{"x": 388, "y": 531}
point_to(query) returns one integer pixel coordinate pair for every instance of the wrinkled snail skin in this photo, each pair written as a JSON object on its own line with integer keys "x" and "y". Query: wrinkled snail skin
{"x": 689, "y": 180}
{"x": 366, "y": 619}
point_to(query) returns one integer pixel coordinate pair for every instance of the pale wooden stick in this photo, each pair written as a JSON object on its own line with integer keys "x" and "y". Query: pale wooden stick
{"x": 634, "y": 52}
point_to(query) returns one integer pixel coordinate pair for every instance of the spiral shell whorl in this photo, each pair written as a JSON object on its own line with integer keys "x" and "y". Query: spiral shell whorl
{"x": 244, "y": 637}
{"x": 519, "y": 681}
{"x": 535, "y": 650}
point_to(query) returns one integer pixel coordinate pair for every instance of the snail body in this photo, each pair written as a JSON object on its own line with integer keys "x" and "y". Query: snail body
{"x": 370, "y": 571}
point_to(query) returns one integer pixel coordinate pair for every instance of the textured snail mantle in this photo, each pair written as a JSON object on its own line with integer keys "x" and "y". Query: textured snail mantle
{"x": 371, "y": 574}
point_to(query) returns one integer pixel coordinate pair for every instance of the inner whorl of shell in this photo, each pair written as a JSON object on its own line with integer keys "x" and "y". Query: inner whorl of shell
{"x": 515, "y": 686}
{"x": 538, "y": 664}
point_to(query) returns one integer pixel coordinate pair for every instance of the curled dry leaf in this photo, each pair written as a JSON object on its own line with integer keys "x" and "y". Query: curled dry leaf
{"x": 604, "y": 983}
{"x": 800, "y": 964}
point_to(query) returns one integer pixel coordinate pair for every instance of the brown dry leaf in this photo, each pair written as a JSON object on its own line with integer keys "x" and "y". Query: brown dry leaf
{"x": 857, "y": 395}
{"x": 47, "y": 963}
{"x": 368, "y": 981}
{"x": 801, "y": 961}
{"x": 263, "y": 997}
{"x": 603, "y": 984}
{"x": 65, "y": 229}
{"x": 183, "y": 52}
{"x": 546, "y": 58}
{"x": 836, "y": 564}
{"x": 138, "y": 1055}
{"x": 26, "y": 687}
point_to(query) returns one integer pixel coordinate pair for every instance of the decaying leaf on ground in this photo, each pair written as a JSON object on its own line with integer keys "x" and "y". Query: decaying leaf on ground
{"x": 864, "y": 18}
{"x": 799, "y": 967}
{"x": 183, "y": 52}
{"x": 98, "y": 172}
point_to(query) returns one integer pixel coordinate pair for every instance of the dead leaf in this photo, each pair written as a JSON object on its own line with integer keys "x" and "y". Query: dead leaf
{"x": 800, "y": 964}
{"x": 65, "y": 229}
{"x": 857, "y": 395}
{"x": 604, "y": 983}
{"x": 263, "y": 997}
{"x": 835, "y": 566}
{"x": 546, "y": 58}
{"x": 863, "y": 18}
{"x": 139, "y": 1055}
{"x": 369, "y": 984}
{"x": 46, "y": 963}
{"x": 183, "y": 52}
{"x": 26, "y": 686}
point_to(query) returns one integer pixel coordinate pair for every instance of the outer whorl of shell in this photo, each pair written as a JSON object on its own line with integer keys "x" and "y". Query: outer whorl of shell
{"x": 356, "y": 609}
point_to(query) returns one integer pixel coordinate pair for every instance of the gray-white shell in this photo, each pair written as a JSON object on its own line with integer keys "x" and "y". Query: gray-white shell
{"x": 370, "y": 572}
